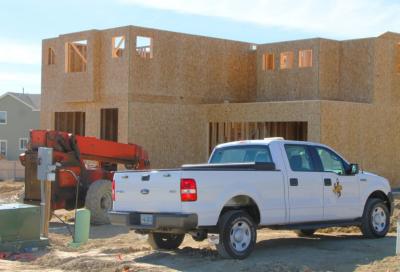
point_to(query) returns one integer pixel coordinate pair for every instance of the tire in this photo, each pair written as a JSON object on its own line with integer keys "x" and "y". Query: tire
{"x": 375, "y": 222}
{"x": 169, "y": 241}
{"x": 237, "y": 235}
{"x": 99, "y": 201}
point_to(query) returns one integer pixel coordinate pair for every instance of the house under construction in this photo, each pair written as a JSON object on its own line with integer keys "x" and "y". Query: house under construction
{"x": 179, "y": 95}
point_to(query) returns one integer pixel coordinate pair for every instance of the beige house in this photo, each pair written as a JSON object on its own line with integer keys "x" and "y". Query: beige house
{"x": 178, "y": 95}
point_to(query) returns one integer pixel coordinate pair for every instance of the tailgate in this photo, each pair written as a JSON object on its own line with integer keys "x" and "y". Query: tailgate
{"x": 155, "y": 191}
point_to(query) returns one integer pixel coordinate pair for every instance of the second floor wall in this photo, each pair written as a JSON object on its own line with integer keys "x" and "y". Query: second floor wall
{"x": 363, "y": 70}
{"x": 141, "y": 64}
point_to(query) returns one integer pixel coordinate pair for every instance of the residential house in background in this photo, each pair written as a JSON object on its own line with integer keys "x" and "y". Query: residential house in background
{"x": 18, "y": 114}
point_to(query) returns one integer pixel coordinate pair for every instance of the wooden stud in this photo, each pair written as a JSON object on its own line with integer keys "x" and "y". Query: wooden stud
{"x": 78, "y": 52}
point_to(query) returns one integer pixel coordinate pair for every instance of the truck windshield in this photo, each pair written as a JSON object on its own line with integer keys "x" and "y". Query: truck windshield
{"x": 238, "y": 154}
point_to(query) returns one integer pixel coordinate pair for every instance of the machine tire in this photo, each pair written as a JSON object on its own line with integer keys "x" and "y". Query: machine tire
{"x": 375, "y": 222}
{"x": 169, "y": 241}
{"x": 99, "y": 201}
{"x": 305, "y": 232}
{"x": 247, "y": 235}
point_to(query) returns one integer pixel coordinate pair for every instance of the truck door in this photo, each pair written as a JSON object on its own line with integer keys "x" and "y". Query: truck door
{"x": 304, "y": 185}
{"x": 341, "y": 191}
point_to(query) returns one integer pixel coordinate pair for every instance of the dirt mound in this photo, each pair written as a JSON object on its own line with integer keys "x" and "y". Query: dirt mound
{"x": 388, "y": 264}
{"x": 11, "y": 191}
{"x": 76, "y": 263}
{"x": 396, "y": 216}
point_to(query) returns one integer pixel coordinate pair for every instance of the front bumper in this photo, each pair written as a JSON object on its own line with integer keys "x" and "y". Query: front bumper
{"x": 391, "y": 202}
{"x": 163, "y": 222}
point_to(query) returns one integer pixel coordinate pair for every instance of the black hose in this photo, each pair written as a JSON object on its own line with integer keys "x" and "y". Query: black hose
{"x": 76, "y": 193}
{"x": 65, "y": 223}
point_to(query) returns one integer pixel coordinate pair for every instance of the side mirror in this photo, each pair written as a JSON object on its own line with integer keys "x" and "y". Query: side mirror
{"x": 354, "y": 169}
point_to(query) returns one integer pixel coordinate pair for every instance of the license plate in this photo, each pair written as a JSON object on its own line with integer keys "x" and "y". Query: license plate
{"x": 146, "y": 219}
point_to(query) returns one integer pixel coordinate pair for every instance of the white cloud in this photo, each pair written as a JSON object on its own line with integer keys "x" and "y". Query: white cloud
{"x": 15, "y": 52}
{"x": 342, "y": 18}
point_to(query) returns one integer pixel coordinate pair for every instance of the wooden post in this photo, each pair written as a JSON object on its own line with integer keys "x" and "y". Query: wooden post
{"x": 47, "y": 208}
{"x": 45, "y": 173}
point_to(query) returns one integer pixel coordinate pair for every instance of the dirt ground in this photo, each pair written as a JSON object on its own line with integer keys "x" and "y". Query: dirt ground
{"x": 112, "y": 248}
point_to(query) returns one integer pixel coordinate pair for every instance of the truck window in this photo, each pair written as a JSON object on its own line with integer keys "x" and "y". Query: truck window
{"x": 330, "y": 161}
{"x": 239, "y": 154}
{"x": 299, "y": 158}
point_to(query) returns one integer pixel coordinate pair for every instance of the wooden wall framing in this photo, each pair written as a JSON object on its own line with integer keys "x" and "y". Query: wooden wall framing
{"x": 220, "y": 132}
{"x": 72, "y": 122}
{"x": 109, "y": 124}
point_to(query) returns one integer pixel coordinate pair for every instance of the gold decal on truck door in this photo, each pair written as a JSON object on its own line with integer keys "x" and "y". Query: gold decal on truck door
{"x": 337, "y": 188}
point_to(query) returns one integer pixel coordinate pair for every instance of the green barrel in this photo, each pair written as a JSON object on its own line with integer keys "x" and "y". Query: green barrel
{"x": 82, "y": 227}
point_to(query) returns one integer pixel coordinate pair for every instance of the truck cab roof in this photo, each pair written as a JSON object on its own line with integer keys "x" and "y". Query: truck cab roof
{"x": 265, "y": 141}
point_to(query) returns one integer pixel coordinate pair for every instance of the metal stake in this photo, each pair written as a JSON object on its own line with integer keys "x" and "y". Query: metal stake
{"x": 398, "y": 238}
{"x": 42, "y": 208}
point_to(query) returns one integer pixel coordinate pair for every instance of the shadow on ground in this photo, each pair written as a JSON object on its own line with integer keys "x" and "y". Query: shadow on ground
{"x": 96, "y": 232}
{"x": 321, "y": 252}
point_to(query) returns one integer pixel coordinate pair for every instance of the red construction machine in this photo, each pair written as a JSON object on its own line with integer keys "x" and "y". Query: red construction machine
{"x": 85, "y": 165}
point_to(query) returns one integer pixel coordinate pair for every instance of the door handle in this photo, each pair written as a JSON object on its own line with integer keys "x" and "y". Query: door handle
{"x": 294, "y": 182}
{"x": 145, "y": 177}
{"x": 328, "y": 182}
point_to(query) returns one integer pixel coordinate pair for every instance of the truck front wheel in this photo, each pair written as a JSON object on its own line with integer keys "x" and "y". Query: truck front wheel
{"x": 237, "y": 235}
{"x": 158, "y": 240}
{"x": 376, "y": 219}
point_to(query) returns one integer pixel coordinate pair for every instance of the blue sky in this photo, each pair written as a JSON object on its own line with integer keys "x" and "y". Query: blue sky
{"x": 24, "y": 23}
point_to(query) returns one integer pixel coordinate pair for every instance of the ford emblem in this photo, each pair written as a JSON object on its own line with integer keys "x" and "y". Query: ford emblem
{"x": 144, "y": 191}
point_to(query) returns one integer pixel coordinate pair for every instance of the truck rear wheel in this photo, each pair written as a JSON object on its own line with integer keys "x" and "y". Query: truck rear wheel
{"x": 158, "y": 240}
{"x": 376, "y": 219}
{"x": 237, "y": 235}
{"x": 99, "y": 201}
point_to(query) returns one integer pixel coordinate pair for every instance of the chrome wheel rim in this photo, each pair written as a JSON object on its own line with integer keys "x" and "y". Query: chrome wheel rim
{"x": 378, "y": 218}
{"x": 240, "y": 236}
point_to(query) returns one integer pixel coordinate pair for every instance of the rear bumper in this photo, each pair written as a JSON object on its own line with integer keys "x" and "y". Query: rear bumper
{"x": 163, "y": 222}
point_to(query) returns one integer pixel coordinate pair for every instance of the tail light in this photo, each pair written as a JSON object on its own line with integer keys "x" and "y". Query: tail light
{"x": 113, "y": 189}
{"x": 188, "y": 190}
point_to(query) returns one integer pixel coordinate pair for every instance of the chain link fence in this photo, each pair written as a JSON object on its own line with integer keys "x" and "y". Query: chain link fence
{"x": 11, "y": 170}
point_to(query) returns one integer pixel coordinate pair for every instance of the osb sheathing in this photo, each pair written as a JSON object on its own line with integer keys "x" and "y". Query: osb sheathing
{"x": 103, "y": 85}
{"x": 386, "y": 78}
{"x": 364, "y": 134}
{"x": 356, "y": 70}
{"x": 191, "y": 68}
{"x": 340, "y": 71}
{"x": 165, "y": 103}
{"x": 173, "y": 134}
{"x": 288, "y": 84}
{"x": 185, "y": 69}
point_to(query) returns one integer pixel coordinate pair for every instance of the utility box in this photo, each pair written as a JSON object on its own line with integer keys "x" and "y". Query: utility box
{"x": 20, "y": 227}
{"x": 45, "y": 159}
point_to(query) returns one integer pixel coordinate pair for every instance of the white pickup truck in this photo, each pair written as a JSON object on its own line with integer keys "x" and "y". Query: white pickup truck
{"x": 248, "y": 185}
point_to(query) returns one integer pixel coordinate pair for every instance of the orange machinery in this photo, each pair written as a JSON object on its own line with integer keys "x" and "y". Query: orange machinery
{"x": 73, "y": 155}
